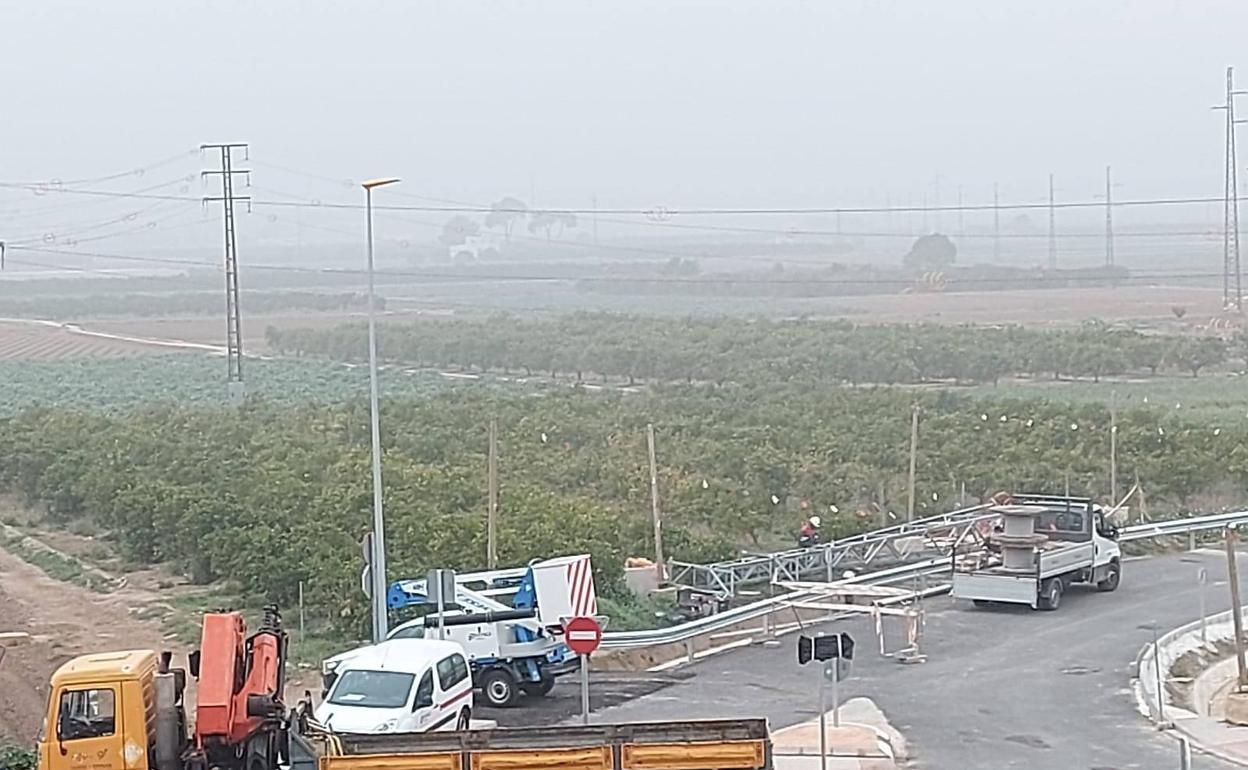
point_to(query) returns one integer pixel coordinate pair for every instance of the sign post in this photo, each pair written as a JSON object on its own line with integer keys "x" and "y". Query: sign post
{"x": 1202, "y": 578}
{"x": 836, "y": 678}
{"x": 835, "y": 653}
{"x": 583, "y": 635}
{"x": 440, "y": 586}
{"x": 823, "y": 724}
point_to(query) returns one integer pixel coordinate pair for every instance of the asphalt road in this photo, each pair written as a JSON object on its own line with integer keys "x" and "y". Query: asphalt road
{"x": 1002, "y": 688}
{"x": 607, "y": 689}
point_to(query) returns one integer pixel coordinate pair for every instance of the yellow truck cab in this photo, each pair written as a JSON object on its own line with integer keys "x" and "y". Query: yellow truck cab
{"x": 101, "y": 713}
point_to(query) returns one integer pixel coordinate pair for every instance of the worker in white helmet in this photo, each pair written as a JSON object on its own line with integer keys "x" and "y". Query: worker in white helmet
{"x": 808, "y": 535}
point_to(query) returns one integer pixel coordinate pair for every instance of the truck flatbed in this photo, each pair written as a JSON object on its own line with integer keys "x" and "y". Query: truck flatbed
{"x": 735, "y": 744}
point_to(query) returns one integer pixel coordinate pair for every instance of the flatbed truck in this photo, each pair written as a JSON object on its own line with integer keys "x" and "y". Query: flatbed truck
{"x": 1045, "y": 544}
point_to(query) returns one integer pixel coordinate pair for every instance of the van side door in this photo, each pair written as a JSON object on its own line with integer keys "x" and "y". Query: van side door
{"x": 424, "y": 707}
{"x": 455, "y": 684}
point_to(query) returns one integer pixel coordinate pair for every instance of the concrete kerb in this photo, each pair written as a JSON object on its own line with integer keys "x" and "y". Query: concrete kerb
{"x": 1206, "y": 734}
{"x": 864, "y": 741}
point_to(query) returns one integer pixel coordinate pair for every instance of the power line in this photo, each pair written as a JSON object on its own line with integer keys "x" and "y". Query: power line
{"x": 53, "y": 234}
{"x": 303, "y": 203}
{"x": 54, "y": 183}
{"x": 142, "y": 193}
{"x": 1175, "y": 201}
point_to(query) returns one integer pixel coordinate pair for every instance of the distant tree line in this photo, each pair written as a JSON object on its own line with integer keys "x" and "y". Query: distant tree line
{"x": 733, "y": 350}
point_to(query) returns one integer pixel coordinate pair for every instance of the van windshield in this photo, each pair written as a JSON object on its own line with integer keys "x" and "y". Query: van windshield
{"x": 372, "y": 689}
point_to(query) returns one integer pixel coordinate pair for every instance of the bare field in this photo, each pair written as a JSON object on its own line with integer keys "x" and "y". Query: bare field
{"x": 1040, "y": 307}
{"x": 211, "y": 331}
{"x": 31, "y": 342}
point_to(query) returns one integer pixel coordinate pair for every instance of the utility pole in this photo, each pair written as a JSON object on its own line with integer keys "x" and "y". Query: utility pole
{"x": 914, "y": 454}
{"x": 1109, "y": 218}
{"x": 654, "y": 506}
{"x": 996, "y": 223}
{"x": 1113, "y": 449}
{"x": 936, "y": 211}
{"x": 1232, "y": 294}
{"x": 1052, "y": 228}
{"x": 491, "y": 529}
{"x": 377, "y": 567}
{"x": 1237, "y": 615}
{"x": 233, "y": 325}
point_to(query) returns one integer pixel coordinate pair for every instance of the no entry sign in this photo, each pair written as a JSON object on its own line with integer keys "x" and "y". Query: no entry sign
{"x": 583, "y": 635}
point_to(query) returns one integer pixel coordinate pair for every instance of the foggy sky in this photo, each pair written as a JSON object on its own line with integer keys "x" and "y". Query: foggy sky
{"x": 647, "y": 102}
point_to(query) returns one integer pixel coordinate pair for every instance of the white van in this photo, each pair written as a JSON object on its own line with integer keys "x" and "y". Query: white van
{"x": 400, "y": 686}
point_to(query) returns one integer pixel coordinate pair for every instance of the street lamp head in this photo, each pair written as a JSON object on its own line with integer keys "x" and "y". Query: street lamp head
{"x": 380, "y": 182}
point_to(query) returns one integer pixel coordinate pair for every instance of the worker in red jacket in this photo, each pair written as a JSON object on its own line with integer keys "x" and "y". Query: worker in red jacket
{"x": 808, "y": 535}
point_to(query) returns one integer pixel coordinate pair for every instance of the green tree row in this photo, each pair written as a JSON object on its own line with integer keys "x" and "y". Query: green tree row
{"x": 721, "y": 350}
{"x": 271, "y": 496}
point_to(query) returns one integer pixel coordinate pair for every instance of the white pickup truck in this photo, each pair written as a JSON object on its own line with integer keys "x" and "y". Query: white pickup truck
{"x": 1042, "y": 545}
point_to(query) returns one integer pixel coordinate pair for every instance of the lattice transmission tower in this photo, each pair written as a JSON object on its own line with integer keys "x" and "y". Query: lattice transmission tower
{"x": 233, "y": 323}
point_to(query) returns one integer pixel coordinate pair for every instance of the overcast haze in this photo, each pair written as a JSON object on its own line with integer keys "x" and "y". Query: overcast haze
{"x": 641, "y": 103}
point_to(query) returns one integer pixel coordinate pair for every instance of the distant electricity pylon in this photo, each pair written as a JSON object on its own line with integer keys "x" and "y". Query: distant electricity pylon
{"x": 233, "y": 323}
{"x": 1109, "y": 217}
{"x": 1232, "y": 294}
{"x": 996, "y": 223}
{"x": 1052, "y": 228}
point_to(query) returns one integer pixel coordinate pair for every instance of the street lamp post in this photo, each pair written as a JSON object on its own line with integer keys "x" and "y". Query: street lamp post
{"x": 377, "y": 571}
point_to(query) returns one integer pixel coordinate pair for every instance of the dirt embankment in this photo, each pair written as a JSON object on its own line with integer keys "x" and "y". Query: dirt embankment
{"x": 63, "y": 620}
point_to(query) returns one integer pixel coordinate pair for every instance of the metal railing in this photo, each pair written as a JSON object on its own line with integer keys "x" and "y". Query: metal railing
{"x": 624, "y": 640}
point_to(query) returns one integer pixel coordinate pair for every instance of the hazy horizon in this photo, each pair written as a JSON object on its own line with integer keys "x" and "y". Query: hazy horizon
{"x": 691, "y": 104}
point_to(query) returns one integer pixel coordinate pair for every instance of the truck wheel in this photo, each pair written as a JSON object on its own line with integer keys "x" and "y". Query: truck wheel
{"x": 499, "y": 687}
{"x": 1051, "y": 598}
{"x": 537, "y": 689}
{"x": 1112, "y": 577}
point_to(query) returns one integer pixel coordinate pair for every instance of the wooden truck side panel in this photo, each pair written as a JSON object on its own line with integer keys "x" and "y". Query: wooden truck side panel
{"x": 696, "y": 745}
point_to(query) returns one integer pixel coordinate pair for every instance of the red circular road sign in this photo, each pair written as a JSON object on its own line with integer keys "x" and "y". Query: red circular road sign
{"x": 583, "y": 635}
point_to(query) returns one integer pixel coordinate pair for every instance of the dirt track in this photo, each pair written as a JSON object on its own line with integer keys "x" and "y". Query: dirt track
{"x": 63, "y": 620}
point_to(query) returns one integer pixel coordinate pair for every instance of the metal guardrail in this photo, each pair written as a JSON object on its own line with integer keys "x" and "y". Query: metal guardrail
{"x": 1181, "y": 526}
{"x": 624, "y": 640}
